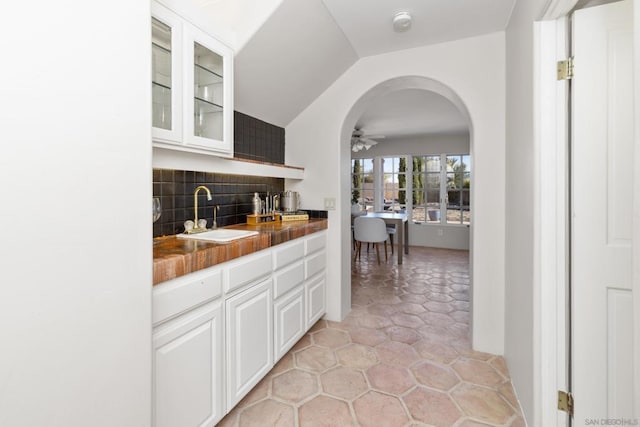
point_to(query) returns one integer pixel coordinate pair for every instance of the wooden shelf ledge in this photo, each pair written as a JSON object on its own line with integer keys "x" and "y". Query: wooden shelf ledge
{"x": 202, "y": 161}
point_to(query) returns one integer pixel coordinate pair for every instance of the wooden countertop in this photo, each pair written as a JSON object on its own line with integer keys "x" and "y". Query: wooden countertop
{"x": 174, "y": 257}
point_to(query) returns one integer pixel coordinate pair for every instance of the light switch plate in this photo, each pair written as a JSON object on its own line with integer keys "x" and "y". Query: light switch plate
{"x": 330, "y": 203}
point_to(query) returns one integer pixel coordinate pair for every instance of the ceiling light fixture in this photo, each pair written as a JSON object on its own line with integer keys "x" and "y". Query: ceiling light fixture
{"x": 360, "y": 141}
{"x": 401, "y": 22}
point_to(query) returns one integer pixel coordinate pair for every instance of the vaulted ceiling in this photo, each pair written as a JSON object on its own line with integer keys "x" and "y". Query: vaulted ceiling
{"x": 305, "y": 45}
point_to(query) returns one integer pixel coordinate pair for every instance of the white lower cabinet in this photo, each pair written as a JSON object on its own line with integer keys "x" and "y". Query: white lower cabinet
{"x": 315, "y": 266}
{"x": 289, "y": 321}
{"x": 187, "y": 369}
{"x": 249, "y": 331}
{"x": 219, "y": 331}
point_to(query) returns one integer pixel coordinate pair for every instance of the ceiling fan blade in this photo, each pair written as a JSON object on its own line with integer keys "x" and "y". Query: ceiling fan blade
{"x": 373, "y": 136}
{"x": 368, "y": 141}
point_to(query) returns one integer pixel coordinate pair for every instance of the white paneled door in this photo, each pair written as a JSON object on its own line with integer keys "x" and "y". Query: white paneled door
{"x": 602, "y": 222}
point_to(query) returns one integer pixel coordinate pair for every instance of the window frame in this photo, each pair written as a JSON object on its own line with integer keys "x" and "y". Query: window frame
{"x": 448, "y": 173}
{"x": 443, "y": 186}
{"x": 394, "y": 173}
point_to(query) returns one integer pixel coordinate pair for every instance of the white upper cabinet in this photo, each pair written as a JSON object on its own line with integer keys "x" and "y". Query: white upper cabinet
{"x": 208, "y": 108}
{"x": 192, "y": 80}
{"x": 166, "y": 75}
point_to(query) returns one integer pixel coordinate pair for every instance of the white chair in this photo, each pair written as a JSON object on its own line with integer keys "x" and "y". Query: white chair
{"x": 370, "y": 230}
{"x": 354, "y": 214}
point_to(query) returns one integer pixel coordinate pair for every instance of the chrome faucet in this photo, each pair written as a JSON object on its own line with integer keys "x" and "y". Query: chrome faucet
{"x": 196, "y": 227}
{"x": 216, "y": 208}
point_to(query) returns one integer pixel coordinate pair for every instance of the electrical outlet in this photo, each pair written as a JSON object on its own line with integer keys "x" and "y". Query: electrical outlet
{"x": 440, "y": 232}
{"x": 330, "y": 203}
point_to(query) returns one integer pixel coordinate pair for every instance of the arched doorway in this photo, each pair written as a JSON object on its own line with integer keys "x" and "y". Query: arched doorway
{"x": 382, "y": 90}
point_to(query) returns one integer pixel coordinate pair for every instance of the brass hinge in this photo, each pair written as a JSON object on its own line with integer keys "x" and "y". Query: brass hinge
{"x": 565, "y": 402}
{"x": 565, "y": 69}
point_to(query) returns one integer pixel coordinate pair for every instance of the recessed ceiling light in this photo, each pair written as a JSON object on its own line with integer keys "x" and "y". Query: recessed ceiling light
{"x": 401, "y": 22}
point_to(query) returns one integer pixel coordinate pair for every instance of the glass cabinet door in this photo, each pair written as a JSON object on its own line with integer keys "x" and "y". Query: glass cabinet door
{"x": 208, "y": 97}
{"x": 166, "y": 75}
{"x": 208, "y": 93}
{"x": 161, "y": 74}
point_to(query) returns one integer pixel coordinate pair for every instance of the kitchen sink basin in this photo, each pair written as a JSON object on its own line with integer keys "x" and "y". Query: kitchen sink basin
{"x": 219, "y": 235}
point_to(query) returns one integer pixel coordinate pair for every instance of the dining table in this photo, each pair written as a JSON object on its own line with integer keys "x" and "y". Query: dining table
{"x": 401, "y": 222}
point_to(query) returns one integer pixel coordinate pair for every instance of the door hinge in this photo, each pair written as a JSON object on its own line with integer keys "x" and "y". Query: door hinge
{"x": 565, "y": 402}
{"x": 565, "y": 69}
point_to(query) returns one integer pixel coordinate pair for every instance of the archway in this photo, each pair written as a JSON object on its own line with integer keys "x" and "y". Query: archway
{"x": 360, "y": 106}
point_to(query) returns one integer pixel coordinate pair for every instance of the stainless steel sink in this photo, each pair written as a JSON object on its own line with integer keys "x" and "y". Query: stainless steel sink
{"x": 219, "y": 235}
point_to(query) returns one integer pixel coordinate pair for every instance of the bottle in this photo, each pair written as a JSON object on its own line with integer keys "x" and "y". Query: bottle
{"x": 257, "y": 204}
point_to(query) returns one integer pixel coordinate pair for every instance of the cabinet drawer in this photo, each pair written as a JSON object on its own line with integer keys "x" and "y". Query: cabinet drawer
{"x": 178, "y": 295}
{"x": 288, "y": 253}
{"x": 314, "y": 264}
{"x": 315, "y": 242}
{"x": 287, "y": 279}
{"x": 247, "y": 269}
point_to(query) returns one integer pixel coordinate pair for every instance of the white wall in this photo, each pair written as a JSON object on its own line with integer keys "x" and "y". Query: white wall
{"x": 636, "y": 201}
{"x": 474, "y": 70}
{"x": 76, "y": 251}
{"x": 439, "y": 236}
{"x": 519, "y": 215}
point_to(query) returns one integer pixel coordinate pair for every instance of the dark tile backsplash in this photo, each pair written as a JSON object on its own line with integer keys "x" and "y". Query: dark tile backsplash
{"x": 232, "y": 193}
{"x": 257, "y": 140}
{"x": 317, "y": 214}
{"x": 253, "y": 140}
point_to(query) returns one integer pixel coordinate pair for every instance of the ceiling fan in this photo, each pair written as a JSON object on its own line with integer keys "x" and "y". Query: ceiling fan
{"x": 360, "y": 140}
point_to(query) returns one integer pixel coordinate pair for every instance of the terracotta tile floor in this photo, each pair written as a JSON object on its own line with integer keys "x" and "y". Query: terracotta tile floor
{"x": 402, "y": 357}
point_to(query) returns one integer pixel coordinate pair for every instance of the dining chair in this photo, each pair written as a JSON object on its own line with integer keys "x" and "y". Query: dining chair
{"x": 354, "y": 214}
{"x": 370, "y": 230}
{"x": 391, "y": 231}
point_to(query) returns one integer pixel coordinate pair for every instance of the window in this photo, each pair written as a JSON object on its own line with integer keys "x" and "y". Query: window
{"x": 458, "y": 189}
{"x": 362, "y": 183}
{"x": 441, "y": 189}
{"x": 426, "y": 189}
{"x": 394, "y": 183}
{"x": 436, "y": 188}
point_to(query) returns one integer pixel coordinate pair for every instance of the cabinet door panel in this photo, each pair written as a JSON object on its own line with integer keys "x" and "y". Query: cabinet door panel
{"x": 289, "y": 321}
{"x": 315, "y": 294}
{"x": 187, "y": 368}
{"x": 249, "y": 329}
